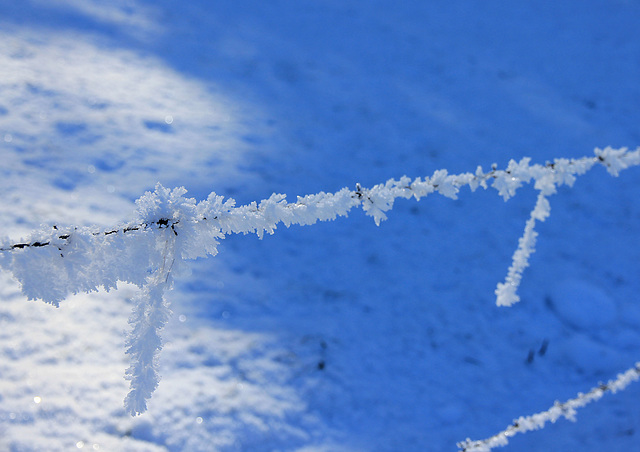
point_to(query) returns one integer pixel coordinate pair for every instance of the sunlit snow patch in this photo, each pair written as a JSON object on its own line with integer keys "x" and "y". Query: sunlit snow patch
{"x": 81, "y": 117}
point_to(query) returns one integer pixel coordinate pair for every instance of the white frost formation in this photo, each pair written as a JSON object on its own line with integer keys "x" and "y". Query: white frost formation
{"x": 51, "y": 264}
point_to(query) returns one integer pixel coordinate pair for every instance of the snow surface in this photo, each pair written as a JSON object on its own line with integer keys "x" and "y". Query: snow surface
{"x": 339, "y": 336}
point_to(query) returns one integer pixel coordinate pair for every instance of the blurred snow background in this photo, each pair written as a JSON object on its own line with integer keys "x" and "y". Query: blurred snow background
{"x": 341, "y": 336}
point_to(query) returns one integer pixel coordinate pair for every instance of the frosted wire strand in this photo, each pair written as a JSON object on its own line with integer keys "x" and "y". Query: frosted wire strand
{"x": 56, "y": 263}
{"x": 144, "y": 343}
{"x": 202, "y": 224}
{"x": 506, "y": 292}
{"x": 566, "y": 409}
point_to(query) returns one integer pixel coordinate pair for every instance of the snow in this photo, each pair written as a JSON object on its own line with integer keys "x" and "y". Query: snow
{"x": 335, "y": 336}
{"x": 583, "y": 305}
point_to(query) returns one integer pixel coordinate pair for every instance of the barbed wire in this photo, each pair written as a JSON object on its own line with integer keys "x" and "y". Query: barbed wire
{"x": 133, "y": 252}
{"x": 366, "y": 196}
{"x": 161, "y": 223}
{"x": 565, "y": 409}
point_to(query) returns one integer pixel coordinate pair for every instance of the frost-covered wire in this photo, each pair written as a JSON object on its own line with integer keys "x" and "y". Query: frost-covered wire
{"x": 566, "y": 409}
{"x": 83, "y": 259}
{"x": 53, "y": 263}
{"x": 150, "y": 314}
{"x": 506, "y": 292}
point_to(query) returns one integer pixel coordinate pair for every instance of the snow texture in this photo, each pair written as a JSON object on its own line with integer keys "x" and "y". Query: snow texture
{"x": 584, "y": 305}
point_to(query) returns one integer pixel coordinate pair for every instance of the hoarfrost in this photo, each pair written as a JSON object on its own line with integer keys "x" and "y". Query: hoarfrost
{"x": 169, "y": 228}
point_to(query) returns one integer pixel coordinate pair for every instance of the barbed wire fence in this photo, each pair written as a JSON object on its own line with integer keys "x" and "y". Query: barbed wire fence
{"x": 55, "y": 262}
